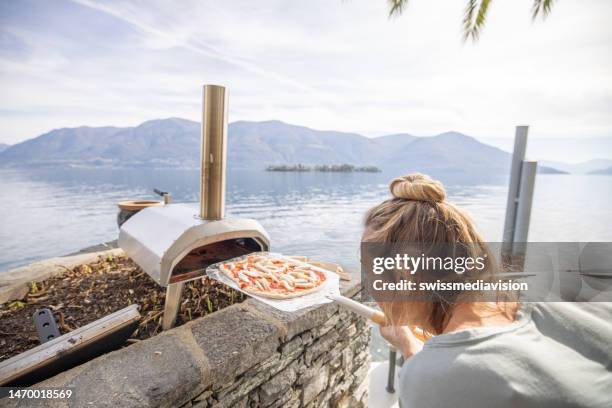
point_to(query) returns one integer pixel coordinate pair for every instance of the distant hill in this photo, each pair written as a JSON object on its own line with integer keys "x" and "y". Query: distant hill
{"x": 395, "y": 141}
{"x": 549, "y": 170}
{"x": 449, "y": 152}
{"x": 175, "y": 142}
{"x": 253, "y": 144}
{"x": 586, "y": 167}
{"x": 602, "y": 171}
{"x": 153, "y": 142}
{"x": 3, "y": 147}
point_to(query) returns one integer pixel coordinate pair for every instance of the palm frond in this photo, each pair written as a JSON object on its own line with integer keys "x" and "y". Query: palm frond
{"x": 475, "y": 14}
{"x": 541, "y": 7}
{"x": 475, "y": 17}
{"x": 396, "y": 7}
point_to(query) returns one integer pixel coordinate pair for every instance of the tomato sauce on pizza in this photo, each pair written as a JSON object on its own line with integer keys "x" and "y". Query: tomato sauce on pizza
{"x": 276, "y": 278}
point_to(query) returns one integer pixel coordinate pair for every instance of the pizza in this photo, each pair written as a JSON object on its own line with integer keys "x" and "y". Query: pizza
{"x": 276, "y": 278}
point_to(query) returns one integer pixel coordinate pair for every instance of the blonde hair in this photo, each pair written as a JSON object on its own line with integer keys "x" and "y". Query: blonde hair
{"x": 419, "y": 213}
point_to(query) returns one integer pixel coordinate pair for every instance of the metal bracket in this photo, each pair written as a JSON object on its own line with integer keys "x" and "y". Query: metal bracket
{"x": 172, "y": 304}
{"x": 391, "y": 376}
{"x": 166, "y": 195}
{"x": 45, "y": 325}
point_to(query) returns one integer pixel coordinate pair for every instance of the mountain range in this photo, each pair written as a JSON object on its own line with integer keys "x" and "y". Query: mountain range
{"x": 595, "y": 166}
{"x": 607, "y": 170}
{"x": 175, "y": 142}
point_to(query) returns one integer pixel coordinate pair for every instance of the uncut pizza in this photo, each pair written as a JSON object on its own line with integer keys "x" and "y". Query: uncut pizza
{"x": 271, "y": 277}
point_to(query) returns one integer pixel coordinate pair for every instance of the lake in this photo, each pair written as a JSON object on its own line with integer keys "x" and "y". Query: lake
{"x": 51, "y": 212}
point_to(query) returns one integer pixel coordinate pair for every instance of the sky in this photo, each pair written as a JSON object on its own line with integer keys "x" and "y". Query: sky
{"x": 326, "y": 64}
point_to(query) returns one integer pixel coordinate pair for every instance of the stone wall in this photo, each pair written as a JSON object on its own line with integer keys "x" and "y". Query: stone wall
{"x": 246, "y": 355}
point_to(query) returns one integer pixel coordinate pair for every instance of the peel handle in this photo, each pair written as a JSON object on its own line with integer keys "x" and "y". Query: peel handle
{"x": 374, "y": 315}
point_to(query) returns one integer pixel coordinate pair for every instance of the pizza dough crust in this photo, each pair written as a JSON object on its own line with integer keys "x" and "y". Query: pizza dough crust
{"x": 271, "y": 295}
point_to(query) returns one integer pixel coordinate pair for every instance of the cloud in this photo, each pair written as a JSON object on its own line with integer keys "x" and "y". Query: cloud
{"x": 181, "y": 36}
{"x": 334, "y": 65}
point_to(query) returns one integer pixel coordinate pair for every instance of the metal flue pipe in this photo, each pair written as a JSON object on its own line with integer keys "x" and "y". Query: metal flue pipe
{"x": 213, "y": 152}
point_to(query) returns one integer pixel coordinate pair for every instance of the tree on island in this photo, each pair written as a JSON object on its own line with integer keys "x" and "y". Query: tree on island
{"x": 336, "y": 168}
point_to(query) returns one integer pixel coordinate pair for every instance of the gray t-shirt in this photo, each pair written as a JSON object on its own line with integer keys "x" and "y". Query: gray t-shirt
{"x": 553, "y": 355}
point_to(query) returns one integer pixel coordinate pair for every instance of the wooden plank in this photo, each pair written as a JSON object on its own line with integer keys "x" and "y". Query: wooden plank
{"x": 67, "y": 346}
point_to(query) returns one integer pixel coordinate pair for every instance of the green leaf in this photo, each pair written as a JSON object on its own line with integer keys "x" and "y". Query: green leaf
{"x": 475, "y": 14}
{"x": 475, "y": 17}
{"x": 16, "y": 304}
{"x": 396, "y": 7}
{"x": 541, "y": 7}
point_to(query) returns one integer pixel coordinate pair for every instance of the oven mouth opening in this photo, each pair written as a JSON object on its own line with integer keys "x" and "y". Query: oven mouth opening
{"x": 191, "y": 265}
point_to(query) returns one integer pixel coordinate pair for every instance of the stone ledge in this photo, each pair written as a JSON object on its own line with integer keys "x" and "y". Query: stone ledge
{"x": 234, "y": 339}
{"x": 301, "y": 320}
{"x": 155, "y": 372}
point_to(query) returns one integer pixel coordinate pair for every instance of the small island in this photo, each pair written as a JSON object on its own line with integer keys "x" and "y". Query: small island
{"x": 333, "y": 168}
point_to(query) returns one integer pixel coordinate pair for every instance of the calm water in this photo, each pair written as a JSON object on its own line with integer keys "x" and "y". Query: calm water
{"x": 46, "y": 213}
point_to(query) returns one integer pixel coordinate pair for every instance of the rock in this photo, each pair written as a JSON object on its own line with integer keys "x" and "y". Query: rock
{"x": 203, "y": 396}
{"x": 278, "y": 384}
{"x": 328, "y": 325}
{"x": 335, "y": 377}
{"x": 349, "y": 332}
{"x": 287, "y": 399}
{"x": 347, "y": 359}
{"x": 137, "y": 377}
{"x": 306, "y": 373}
{"x": 287, "y": 359}
{"x": 324, "y": 343}
{"x": 306, "y": 338}
{"x": 336, "y": 361}
{"x": 317, "y": 384}
{"x": 291, "y": 346}
{"x": 239, "y": 403}
{"x": 359, "y": 374}
{"x": 233, "y": 340}
{"x": 243, "y": 386}
{"x": 299, "y": 321}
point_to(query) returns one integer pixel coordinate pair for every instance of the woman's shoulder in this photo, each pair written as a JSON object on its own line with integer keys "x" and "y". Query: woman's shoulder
{"x": 581, "y": 313}
{"x": 583, "y": 327}
{"x": 467, "y": 375}
{"x": 496, "y": 360}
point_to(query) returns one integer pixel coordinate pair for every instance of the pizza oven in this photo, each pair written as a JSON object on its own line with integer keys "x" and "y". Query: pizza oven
{"x": 174, "y": 243}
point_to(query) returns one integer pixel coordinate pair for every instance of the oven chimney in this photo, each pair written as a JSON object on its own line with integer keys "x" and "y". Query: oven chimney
{"x": 174, "y": 244}
{"x": 213, "y": 152}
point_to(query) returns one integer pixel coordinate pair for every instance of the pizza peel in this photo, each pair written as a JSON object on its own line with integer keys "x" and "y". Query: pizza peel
{"x": 328, "y": 292}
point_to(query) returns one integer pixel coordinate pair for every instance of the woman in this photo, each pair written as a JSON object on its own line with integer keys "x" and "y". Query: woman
{"x": 495, "y": 353}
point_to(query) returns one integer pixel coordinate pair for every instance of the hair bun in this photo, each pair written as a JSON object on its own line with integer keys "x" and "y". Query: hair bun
{"x": 418, "y": 187}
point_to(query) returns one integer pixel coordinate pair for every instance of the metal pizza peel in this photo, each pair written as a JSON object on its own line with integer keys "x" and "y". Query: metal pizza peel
{"x": 328, "y": 293}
